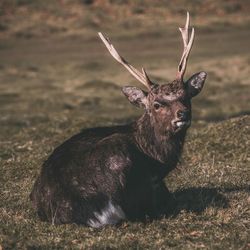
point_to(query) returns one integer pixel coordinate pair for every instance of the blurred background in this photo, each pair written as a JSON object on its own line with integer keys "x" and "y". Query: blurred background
{"x": 54, "y": 68}
{"x": 57, "y": 77}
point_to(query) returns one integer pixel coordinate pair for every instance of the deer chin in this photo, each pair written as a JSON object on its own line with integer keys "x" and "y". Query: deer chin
{"x": 179, "y": 125}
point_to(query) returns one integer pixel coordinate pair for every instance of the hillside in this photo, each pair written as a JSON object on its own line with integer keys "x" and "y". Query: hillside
{"x": 211, "y": 188}
{"x": 39, "y": 18}
{"x": 56, "y": 78}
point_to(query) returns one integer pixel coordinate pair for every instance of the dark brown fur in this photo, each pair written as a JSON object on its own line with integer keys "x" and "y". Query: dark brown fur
{"x": 104, "y": 175}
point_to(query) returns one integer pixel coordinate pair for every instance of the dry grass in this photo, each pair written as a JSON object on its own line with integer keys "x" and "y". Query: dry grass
{"x": 29, "y": 18}
{"x": 51, "y": 87}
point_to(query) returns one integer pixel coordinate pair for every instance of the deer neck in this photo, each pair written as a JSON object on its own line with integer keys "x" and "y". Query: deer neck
{"x": 164, "y": 147}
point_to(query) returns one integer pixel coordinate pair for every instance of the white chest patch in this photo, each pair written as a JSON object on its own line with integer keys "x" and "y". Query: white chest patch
{"x": 109, "y": 215}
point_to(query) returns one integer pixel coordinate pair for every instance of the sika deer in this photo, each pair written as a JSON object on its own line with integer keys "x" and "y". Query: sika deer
{"x": 105, "y": 175}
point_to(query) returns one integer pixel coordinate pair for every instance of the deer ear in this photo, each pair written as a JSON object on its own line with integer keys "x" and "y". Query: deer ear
{"x": 136, "y": 96}
{"x": 195, "y": 83}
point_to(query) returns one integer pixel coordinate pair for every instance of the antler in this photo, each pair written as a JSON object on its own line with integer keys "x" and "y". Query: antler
{"x": 187, "y": 48}
{"x": 141, "y": 77}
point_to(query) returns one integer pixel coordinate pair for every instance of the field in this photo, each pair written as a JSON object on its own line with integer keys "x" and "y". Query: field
{"x": 57, "y": 78}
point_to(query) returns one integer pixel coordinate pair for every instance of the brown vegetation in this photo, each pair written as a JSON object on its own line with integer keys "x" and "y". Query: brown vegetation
{"x": 45, "y": 86}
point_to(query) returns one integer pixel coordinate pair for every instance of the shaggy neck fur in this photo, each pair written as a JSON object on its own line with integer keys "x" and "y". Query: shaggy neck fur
{"x": 165, "y": 147}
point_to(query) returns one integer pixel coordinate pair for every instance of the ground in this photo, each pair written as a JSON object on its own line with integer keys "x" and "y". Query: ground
{"x": 56, "y": 81}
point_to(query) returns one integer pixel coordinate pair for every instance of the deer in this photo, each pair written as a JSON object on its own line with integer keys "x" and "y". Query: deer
{"x": 106, "y": 175}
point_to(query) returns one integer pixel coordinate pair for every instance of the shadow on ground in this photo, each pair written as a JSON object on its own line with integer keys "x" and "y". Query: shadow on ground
{"x": 198, "y": 199}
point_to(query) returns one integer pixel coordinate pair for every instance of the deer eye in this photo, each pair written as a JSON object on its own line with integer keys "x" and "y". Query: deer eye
{"x": 157, "y": 105}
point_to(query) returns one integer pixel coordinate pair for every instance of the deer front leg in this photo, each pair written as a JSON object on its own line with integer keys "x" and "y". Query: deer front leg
{"x": 163, "y": 200}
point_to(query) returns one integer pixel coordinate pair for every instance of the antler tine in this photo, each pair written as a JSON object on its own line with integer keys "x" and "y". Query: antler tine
{"x": 149, "y": 82}
{"x": 187, "y": 48}
{"x": 184, "y": 31}
{"x": 141, "y": 77}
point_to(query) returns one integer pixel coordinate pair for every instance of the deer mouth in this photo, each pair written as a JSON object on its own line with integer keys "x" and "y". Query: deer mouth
{"x": 180, "y": 124}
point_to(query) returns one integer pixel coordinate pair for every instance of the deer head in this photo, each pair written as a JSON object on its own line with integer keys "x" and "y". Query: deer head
{"x": 168, "y": 105}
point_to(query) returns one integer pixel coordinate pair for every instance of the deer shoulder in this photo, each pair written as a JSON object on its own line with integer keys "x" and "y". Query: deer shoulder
{"x": 103, "y": 176}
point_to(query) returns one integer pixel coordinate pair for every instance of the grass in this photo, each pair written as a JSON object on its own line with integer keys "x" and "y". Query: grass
{"x": 53, "y": 86}
{"x": 211, "y": 188}
{"x": 29, "y": 19}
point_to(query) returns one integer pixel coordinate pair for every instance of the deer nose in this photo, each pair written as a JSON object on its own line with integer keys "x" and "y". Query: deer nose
{"x": 183, "y": 115}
